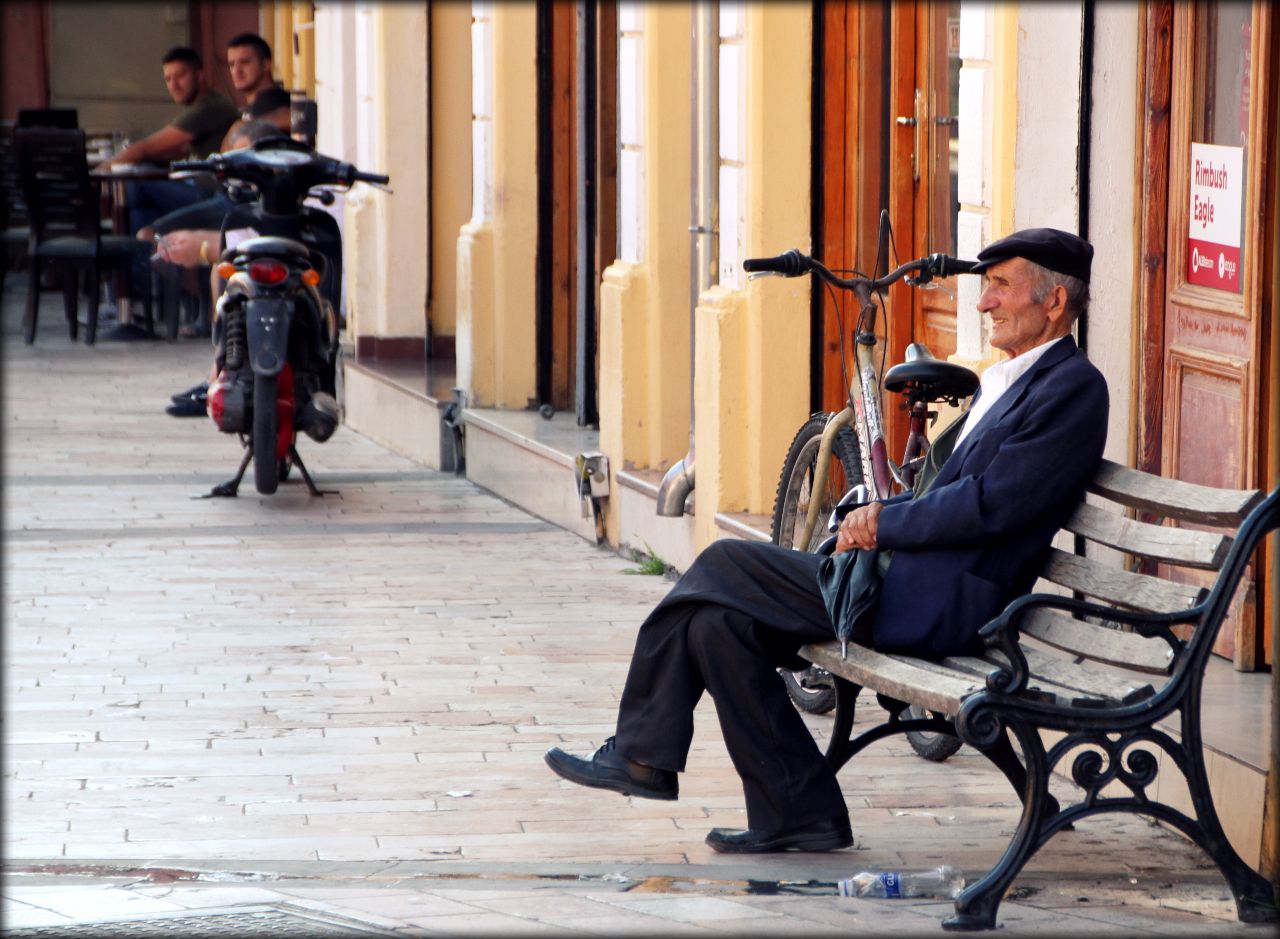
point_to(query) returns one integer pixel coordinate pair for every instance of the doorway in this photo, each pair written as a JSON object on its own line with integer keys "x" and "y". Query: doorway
{"x": 577, "y": 229}
{"x": 886, "y": 80}
{"x": 1205, "y": 308}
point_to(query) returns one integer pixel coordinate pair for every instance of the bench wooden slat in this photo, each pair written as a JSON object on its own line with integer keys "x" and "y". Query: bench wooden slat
{"x": 1123, "y": 588}
{"x": 941, "y": 686}
{"x": 1186, "y": 546}
{"x": 1173, "y": 498}
{"x": 1100, "y": 643}
{"x": 896, "y": 676}
{"x": 1065, "y": 677}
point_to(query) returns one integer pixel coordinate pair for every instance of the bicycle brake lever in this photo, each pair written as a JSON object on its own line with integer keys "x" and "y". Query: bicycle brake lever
{"x": 751, "y": 277}
{"x": 951, "y": 294}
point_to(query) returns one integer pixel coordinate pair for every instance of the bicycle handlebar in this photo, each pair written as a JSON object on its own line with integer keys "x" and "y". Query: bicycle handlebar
{"x": 790, "y": 264}
{"x": 793, "y": 264}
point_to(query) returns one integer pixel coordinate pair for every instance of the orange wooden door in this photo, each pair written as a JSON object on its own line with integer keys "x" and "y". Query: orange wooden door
{"x": 889, "y": 81}
{"x": 1213, "y": 355}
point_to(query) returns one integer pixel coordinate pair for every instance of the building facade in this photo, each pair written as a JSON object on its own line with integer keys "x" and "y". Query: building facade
{"x": 592, "y": 178}
{"x": 594, "y": 175}
{"x": 551, "y": 298}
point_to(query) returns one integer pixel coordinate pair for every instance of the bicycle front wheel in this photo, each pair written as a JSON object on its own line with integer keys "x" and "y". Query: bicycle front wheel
{"x": 795, "y": 484}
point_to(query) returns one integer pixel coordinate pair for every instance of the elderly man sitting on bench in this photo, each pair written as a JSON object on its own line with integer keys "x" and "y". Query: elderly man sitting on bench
{"x": 1018, "y": 463}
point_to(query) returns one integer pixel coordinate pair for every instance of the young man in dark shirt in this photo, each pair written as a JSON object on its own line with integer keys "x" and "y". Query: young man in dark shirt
{"x": 197, "y": 130}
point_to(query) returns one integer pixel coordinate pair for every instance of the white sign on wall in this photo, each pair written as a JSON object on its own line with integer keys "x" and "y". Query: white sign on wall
{"x": 1215, "y": 232}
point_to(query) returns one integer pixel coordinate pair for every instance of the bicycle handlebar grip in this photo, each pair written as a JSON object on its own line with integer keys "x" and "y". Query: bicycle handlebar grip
{"x": 191, "y": 166}
{"x": 790, "y": 264}
{"x": 363, "y": 177}
{"x": 943, "y": 265}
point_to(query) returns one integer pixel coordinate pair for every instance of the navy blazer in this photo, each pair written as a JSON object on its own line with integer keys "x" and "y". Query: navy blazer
{"x": 978, "y": 536}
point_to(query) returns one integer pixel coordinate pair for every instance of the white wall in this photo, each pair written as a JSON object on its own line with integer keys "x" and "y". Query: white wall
{"x": 974, "y": 183}
{"x": 631, "y": 105}
{"x": 1113, "y": 201}
{"x": 1046, "y": 156}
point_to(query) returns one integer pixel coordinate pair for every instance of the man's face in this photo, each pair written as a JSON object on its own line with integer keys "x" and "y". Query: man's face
{"x": 183, "y": 81}
{"x": 1018, "y": 323}
{"x": 249, "y": 72}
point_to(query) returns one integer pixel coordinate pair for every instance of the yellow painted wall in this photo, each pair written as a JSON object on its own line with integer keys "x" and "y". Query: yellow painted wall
{"x": 668, "y": 184}
{"x": 779, "y": 91}
{"x": 387, "y": 257}
{"x": 278, "y": 22}
{"x": 752, "y": 371}
{"x": 497, "y": 257}
{"x": 721, "y": 388}
{"x": 1004, "y": 121}
{"x": 450, "y": 154}
{"x": 645, "y": 316}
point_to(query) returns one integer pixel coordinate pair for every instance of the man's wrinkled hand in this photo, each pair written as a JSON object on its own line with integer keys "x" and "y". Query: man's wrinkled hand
{"x": 858, "y": 530}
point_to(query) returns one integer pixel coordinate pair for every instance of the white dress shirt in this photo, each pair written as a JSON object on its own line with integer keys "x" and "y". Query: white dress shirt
{"x": 997, "y": 379}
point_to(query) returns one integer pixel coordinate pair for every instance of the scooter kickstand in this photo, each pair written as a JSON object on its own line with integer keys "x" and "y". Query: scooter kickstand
{"x": 306, "y": 477}
{"x": 229, "y": 489}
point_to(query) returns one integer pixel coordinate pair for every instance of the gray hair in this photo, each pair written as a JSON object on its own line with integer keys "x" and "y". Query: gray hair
{"x": 1044, "y": 280}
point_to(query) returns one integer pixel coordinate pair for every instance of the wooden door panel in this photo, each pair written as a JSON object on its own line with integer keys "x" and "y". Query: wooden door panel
{"x": 888, "y": 86}
{"x": 1207, "y": 397}
{"x": 1211, "y": 335}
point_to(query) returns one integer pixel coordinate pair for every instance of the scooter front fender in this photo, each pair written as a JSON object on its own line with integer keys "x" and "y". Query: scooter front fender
{"x": 267, "y": 321}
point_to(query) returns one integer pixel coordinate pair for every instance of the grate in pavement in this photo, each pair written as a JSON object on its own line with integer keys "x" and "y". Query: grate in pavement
{"x": 248, "y": 922}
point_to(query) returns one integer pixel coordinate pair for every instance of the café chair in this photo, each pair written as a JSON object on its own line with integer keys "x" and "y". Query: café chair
{"x": 64, "y": 210}
{"x": 14, "y": 230}
{"x": 66, "y": 118}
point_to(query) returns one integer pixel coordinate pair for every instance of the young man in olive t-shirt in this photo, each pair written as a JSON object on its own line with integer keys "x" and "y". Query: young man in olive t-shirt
{"x": 197, "y": 131}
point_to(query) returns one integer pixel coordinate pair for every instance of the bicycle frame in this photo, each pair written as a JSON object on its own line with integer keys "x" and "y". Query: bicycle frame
{"x": 864, "y": 387}
{"x": 868, "y": 423}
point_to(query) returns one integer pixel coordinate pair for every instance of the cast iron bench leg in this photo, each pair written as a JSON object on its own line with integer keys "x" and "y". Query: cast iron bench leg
{"x": 976, "y": 906}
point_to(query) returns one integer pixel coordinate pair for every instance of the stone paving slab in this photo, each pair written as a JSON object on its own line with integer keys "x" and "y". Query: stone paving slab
{"x": 342, "y": 704}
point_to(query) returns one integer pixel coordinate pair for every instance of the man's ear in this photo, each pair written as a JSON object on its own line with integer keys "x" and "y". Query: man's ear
{"x": 1056, "y": 304}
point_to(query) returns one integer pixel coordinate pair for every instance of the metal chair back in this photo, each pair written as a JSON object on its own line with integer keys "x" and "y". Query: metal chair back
{"x": 13, "y": 208}
{"x": 62, "y": 200}
{"x": 66, "y": 118}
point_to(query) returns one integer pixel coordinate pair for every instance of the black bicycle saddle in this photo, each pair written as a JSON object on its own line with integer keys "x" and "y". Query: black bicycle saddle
{"x": 937, "y": 379}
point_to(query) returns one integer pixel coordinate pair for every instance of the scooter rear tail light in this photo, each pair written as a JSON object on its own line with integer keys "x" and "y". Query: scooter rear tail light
{"x": 268, "y": 272}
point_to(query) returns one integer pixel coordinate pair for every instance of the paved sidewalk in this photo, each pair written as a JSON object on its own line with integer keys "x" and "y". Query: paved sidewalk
{"x": 332, "y": 712}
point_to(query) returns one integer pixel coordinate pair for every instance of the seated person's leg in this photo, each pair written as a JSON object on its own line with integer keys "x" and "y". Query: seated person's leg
{"x": 151, "y": 198}
{"x": 206, "y": 214}
{"x": 740, "y": 612}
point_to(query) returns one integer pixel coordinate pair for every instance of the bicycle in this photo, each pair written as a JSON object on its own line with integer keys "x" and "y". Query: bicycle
{"x": 808, "y": 488}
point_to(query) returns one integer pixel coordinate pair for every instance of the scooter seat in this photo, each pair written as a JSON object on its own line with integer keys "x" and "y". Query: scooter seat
{"x": 270, "y": 246}
{"x": 940, "y": 380}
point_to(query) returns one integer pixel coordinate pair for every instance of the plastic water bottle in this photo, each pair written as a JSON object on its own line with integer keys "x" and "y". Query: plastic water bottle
{"x": 944, "y": 881}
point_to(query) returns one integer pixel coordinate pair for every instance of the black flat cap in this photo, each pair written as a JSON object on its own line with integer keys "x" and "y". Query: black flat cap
{"x": 1057, "y": 250}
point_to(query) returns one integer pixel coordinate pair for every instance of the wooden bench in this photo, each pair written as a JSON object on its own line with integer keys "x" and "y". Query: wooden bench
{"x": 1100, "y": 668}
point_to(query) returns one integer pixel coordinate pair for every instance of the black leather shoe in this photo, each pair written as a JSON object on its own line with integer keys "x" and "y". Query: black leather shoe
{"x": 192, "y": 407}
{"x": 828, "y": 835}
{"x": 609, "y": 769}
{"x": 195, "y": 391}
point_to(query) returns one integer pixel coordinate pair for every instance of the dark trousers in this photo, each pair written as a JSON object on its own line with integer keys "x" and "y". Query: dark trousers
{"x": 151, "y": 198}
{"x": 739, "y": 613}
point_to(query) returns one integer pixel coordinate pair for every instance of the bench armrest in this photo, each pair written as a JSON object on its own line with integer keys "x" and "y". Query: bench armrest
{"x": 1002, "y": 635}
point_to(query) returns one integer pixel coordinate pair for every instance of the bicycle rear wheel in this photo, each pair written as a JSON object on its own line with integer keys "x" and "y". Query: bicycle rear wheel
{"x": 812, "y": 689}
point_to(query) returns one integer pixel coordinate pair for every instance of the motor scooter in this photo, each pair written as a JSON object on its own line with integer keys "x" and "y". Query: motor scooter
{"x": 275, "y": 330}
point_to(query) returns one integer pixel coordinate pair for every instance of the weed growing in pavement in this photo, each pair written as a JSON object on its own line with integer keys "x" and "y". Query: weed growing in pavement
{"x": 649, "y": 562}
